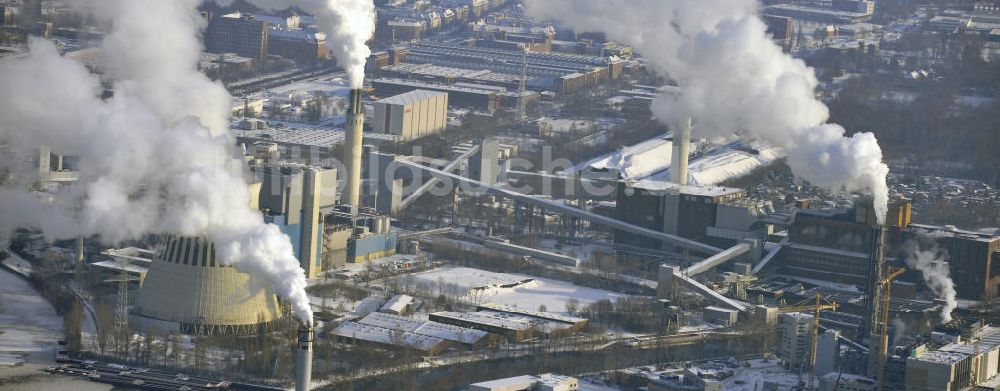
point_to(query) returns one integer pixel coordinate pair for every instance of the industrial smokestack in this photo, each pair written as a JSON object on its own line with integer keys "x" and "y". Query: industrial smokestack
{"x": 352, "y": 151}
{"x": 303, "y": 367}
{"x": 679, "y": 160}
{"x": 80, "y": 256}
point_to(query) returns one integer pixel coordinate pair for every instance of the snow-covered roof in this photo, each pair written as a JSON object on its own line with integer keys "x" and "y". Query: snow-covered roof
{"x": 487, "y": 319}
{"x": 536, "y": 314}
{"x": 390, "y": 321}
{"x": 420, "y": 327}
{"x": 706, "y": 191}
{"x": 387, "y": 336}
{"x": 397, "y": 303}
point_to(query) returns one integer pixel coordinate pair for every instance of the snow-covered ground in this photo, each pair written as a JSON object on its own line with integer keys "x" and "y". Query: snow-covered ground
{"x": 759, "y": 372}
{"x": 553, "y": 294}
{"x": 29, "y": 326}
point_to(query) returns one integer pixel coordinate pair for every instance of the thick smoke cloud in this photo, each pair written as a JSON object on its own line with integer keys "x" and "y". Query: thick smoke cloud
{"x": 155, "y": 158}
{"x": 348, "y": 25}
{"x": 932, "y": 262}
{"x": 734, "y": 81}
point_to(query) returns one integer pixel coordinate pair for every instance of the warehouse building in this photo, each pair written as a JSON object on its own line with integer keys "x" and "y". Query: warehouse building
{"x": 474, "y": 98}
{"x": 511, "y": 329}
{"x": 574, "y": 323}
{"x": 411, "y": 115}
{"x": 354, "y": 332}
{"x": 458, "y": 335}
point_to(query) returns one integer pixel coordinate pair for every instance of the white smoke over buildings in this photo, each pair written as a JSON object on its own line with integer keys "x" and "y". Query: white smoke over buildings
{"x": 348, "y": 25}
{"x": 931, "y": 261}
{"x": 734, "y": 81}
{"x": 155, "y": 158}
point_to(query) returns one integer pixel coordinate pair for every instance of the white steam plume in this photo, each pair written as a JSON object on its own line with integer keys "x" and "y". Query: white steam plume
{"x": 734, "y": 80}
{"x": 348, "y": 25}
{"x": 931, "y": 260}
{"x": 155, "y": 158}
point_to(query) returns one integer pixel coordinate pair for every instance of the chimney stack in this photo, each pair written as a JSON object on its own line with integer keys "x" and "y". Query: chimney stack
{"x": 303, "y": 367}
{"x": 679, "y": 158}
{"x": 352, "y": 151}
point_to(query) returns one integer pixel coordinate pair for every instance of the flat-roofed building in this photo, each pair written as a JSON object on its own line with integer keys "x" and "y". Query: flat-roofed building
{"x": 237, "y": 33}
{"x": 412, "y": 115}
{"x": 957, "y": 366}
{"x": 542, "y": 382}
{"x": 512, "y": 329}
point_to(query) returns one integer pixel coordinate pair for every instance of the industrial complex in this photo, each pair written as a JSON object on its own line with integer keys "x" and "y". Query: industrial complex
{"x": 499, "y": 195}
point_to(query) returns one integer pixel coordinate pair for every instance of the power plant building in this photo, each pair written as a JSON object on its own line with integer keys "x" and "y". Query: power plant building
{"x": 187, "y": 290}
{"x": 973, "y": 258}
{"x": 291, "y": 197}
{"x": 411, "y": 115}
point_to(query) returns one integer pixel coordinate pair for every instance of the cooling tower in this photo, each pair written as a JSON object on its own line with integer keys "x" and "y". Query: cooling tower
{"x": 352, "y": 150}
{"x": 679, "y": 156}
{"x": 187, "y": 290}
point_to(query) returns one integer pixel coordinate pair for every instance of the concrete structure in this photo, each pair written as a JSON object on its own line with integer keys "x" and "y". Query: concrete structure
{"x": 352, "y": 151}
{"x": 303, "y": 363}
{"x": 679, "y": 158}
{"x": 53, "y": 167}
{"x": 973, "y": 258}
{"x": 819, "y": 14}
{"x": 796, "y": 339}
{"x": 300, "y": 45}
{"x": 662, "y": 206}
{"x": 477, "y": 98}
{"x": 291, "y": 197}
{"x": 237, "y": 33}
{"x": 956, "y": 366}
{"x": 548, "y": 256}
{"x": 370, "y": 236}
{"x": 187, "y": 290}
{"x": 827, "y": 352}
{"x": 411, "y": 115}
{"x": 861, "y": 6}
{"x": 542, "y": 382}
{"x": 720, "y": 316}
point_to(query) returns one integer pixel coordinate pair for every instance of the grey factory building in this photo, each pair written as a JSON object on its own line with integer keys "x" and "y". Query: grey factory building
{"x": 411, "y": 115}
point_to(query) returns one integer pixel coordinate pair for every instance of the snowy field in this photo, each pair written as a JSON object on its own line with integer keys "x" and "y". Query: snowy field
{"x": 29, "y": 326}
{"x": 553, "y": 294}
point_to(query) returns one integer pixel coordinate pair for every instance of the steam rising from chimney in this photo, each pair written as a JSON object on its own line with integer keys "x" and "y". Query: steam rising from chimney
{"x": 348, "y": 24}
{"x": 931, "y": 261}
{"x": 734, "y": 81}
{"x": 155, "y": 158}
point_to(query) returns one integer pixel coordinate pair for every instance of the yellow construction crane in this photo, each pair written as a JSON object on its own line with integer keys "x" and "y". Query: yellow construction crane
{"x": 882, "y": 328}
{"x": 815, "y": 305}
